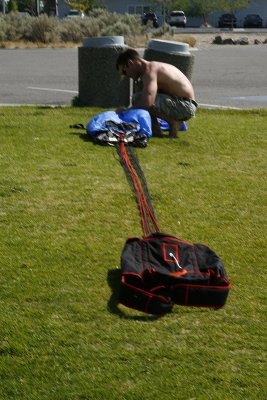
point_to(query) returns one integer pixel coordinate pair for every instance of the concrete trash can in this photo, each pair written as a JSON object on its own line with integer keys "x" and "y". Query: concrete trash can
{"x": 100, "y": 84}
{"x": 175, "y": 53}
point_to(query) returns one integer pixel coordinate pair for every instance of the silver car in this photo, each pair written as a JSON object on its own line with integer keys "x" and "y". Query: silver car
{"x": 177, "y": 18}
{"x": 75, "y": 14}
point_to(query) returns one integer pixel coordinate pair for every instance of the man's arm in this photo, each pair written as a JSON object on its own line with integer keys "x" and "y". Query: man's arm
{"x": 149, "y": 92}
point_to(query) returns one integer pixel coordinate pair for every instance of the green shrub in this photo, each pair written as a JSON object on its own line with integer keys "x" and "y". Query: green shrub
{"x": 90, "y": 27}
{"x": 165, "y": 29}
{"x": 100, "y": 23}
{"x": 51, "y": 30}
{"x": 3, "y": 27}
{"x": 119, "y": 28}
{"x": 17, "y": 26}
{"x": 97, "y": 12}
{"x": 44, "y": 29}
{"x": 70, "y": 31}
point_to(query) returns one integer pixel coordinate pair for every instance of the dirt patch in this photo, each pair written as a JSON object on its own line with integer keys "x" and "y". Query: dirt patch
{"x": 196, "y": 40}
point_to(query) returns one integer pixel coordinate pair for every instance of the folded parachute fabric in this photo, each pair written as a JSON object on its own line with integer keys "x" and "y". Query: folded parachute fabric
{"x": 164, "y": 126}
{"x": 133, "y": 125}
{"x": 138, "y": 120}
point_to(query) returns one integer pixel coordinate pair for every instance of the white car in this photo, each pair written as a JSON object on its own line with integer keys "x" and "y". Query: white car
{"x": 177, "y": 18}
{"x": 75, "y": 14}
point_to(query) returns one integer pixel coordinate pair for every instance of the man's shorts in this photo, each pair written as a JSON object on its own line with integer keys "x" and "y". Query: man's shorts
{"x": 176, "y": 108}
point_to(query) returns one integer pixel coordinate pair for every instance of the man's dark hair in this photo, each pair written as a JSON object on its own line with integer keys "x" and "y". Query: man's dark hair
{"x": 129, "y": 54}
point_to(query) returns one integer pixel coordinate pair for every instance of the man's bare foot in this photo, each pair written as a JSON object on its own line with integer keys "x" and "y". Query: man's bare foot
{"x": 156, "y": 131}
{"x": 174, "y": 129}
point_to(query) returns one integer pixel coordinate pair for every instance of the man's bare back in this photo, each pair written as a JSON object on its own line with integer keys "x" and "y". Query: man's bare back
{"x": 171, "y": 80}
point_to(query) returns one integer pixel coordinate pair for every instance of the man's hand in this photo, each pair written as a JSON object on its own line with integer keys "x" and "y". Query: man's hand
{"x": 120, "y": 110}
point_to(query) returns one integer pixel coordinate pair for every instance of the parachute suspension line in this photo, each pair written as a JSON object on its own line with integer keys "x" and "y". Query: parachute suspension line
{"x": 145, "y": 192}
{"x": 139, "y": 187}
{"x": 135, "y": 163}
{"x": 135, "y": 184}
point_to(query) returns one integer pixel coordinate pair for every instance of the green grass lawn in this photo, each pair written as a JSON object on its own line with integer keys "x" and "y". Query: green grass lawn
{"x": 66, "y": 210}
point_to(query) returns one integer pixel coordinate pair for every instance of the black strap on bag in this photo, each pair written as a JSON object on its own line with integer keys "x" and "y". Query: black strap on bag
{"x": 160, "y": 270}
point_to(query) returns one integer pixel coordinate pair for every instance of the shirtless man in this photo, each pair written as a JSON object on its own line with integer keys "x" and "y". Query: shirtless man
{"x": 166, "y": 91}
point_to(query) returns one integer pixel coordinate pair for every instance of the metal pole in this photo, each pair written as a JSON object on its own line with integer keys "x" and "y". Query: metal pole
{"x": 4, "y": 7}
{"x": 37, "y": 7}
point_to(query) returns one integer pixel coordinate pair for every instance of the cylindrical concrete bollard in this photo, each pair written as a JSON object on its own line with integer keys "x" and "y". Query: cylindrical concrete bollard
{"x": 171, "y": 52}
{"x": 100, "y": 84}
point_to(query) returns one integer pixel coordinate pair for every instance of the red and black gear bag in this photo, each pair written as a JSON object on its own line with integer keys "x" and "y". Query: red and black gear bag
{"x": 160, "y": 270}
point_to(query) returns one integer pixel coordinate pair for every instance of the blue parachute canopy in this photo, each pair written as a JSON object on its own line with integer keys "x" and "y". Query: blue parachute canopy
{"x": 139, "y": 120}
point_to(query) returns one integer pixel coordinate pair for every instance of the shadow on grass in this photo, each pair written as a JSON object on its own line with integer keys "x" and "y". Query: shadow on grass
{"x": 114, "y": 281}
{"x": 84, "y": 136}
{"x": 87, "y": 138}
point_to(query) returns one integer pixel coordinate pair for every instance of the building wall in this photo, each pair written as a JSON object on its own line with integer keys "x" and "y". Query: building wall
{"x": 139, "y": 6}
{"x": 127, "y": 6}
{"x": 257, "y": 7}
{"x": 118, "y": 6}
{"x": 62, "y": 9}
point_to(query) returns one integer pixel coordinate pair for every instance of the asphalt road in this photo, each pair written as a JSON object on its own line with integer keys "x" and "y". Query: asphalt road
{"x": 231, "y": 76}
{"x": 223, "y": 76}
{"x": 38, "y": 76}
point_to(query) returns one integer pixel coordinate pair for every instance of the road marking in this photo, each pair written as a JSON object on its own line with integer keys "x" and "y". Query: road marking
{"x": 58, "y": 105}
{"x": 33, "y": 105}
{"x": 262, "y": 99}
{"x": 52, "y": 89}
{"x": 218, "y": 106}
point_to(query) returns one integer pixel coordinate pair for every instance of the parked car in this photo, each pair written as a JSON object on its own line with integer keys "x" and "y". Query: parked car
{"x": 253, "y": 21}
{"x": 150, "y": 16}
{"x": 75, "y": 14}
{"x": 177, "y": 18}
{"x": 227, "y": 21}
{"x": 24, "y": 14}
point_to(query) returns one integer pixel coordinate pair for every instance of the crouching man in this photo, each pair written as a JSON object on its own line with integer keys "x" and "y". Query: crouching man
{"x": 166, "y": 92}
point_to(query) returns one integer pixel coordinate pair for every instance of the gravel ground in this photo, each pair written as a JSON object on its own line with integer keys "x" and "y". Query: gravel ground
{"x": 204, "y": 40}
